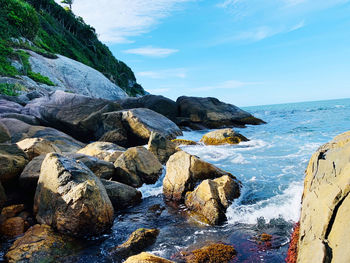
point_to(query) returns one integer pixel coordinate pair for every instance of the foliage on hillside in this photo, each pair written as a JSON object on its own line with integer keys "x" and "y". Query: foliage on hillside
{"x": 52, "y": 29}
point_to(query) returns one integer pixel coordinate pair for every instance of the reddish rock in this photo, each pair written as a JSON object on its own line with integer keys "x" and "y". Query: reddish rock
{"x": 292, "y": 254}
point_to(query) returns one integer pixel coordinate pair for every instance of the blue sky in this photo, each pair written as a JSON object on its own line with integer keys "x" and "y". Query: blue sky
{"x": 245, "y": 52}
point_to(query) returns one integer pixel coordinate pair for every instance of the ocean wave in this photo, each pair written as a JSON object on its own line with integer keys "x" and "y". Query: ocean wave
{"x": 156, "y": 189}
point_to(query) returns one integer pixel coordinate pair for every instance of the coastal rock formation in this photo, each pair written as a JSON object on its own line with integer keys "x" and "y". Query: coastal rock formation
{"x": 223, "y": 136}
{"x": 71, "y": 199}
{"x": 7, "y": 106}
{"x": 121, "y": 195}
{"x": 75, "y": 77}
{"x": 147, "y": 258}
{"x": 113, "y": 130}
{"x": 106, "y": 151}
{"x": 20, "y": 130}
{"x": 183, "y": 172}
{"x": 31, "y": 120}
{"x": 28, "y": 179}
{"x": 138, "y": 166}
{"x": 211, "y": 113}
{"x": 179, "y": 142}
{"x": 161, "y": 147}
{"x": 324, "y": 234}
{"x": 12, "y": 161}
{"x": 211, "y": 198}
{"x": 41, "y": 244}
{"x": 36, "y": 146}
{"x": 4, "y": 134}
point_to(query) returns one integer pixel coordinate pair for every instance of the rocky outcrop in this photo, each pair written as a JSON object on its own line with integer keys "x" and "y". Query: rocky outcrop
{"x": 209, "y": 112}
{"x": 136, "y": 243}
{"x": 183, "y": 172}
{"x": 106, "y": 151}
{"x": 75, "y": 77}
{"x": 71, "y": 199}
{"x": 211, "y": 198}
{"x": 157, "y": 103}
{"x": 113, "y": 130}
{"x": 223, "y": 136}
{"x": 12, "y": 162}
{"x": 137, "y": 166}
{"x": 147, "y": 258}
{"x": 34, "y": 147}
{"x": 161, "y": 147}
{"x": 77, "y": 115}
{"x": 325, "y": 215}
{"x": 121, "y": 195}
{"x": 19, "y": 130}
{"x": 41, "y": 244}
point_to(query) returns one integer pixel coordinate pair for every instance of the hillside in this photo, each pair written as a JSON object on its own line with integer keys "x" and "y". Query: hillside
{"x": 48, "y": 29}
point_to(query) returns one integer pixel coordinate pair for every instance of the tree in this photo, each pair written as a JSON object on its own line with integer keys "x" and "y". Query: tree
{"x": 68, "y": 2}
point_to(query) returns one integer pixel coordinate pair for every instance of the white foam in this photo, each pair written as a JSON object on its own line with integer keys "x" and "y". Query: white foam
{"x": 153, "y": 189}
{"x": 285, "y": 205}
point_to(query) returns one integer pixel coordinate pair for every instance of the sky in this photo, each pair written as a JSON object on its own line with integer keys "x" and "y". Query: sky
{"x": 244, "y": 52}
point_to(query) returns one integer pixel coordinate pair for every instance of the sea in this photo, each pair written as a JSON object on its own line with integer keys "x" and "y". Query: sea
{"x": 271, "y": 168}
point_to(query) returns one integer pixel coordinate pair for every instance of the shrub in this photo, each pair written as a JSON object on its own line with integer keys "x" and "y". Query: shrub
{"x": 40, "y": 78}
{"x": 10, "y": 89}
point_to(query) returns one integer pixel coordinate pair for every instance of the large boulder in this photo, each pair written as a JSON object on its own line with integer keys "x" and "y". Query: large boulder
{"x": 161, "y": 147}
{"x": 7, "y": 106}
{"x": 209, "y": 112}
{"x": 325, "y": 214}
{"x": 31, "y": 120}
{"x": 145, "y": 257}
{"x": 41, "y": 244}
{"x": 28, "y": 180}
{"x": 121, "y": 195}
{"x": 106, "y": 151}
{"x": 75, "y": 77}
{"x": 211, "y": 198}
{"x": 71, "y": 199}
{"x": 12, "y": 161}
{"x": 113, "y": 130}
{"x": 157, "y": 103}
{"x": 19, "y": 130}
{"x": 140, "y": 122}
{"x": 36, "y": 146}
{"x": 4, "y": 134}
{"x": 223, "y": 136}
{"x": 77, "y": 115}
{"x": 138, "y": 166}
{"x": 184, "y": 171}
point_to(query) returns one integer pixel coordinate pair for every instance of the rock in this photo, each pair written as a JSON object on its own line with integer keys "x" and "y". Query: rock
{"x": 28, "y": 179}
{"x": 20, "y": 131}
{"x": 293, "y": 245}
{"x": 180, "y": 142}
{"x": 12, "y": 162}
{"x": 12, "y": 211}
{"x": 161, "y": 147}
{"x": 136, "y": 243}
{"x": 41, "y": 244}
{"x": 75, "y": 77}
{"x": 113, "y": 130}
{"x": 138, "y": 166}
{"x": 213, "y": 253}
{"x": 3, "y": 197}
{"x": 183, "y": 172}
{"x": 34, "y": 147}
{"x": 325, "y": 214}
{"x": 211, "y": 198}
{"x": 71, "y": 199}
{"x": 7, "y": 106}
{"x": 106, "y": 151}
{"x": 157, "y": 103}
{"x": 4, "y": 134}
{"x": 223, "y": 136}
{"x": 212, "y": 113}
{"x": 121, "y": 195}
{"x": 139, "y": 123}
{"x": 12, "y": 227}
{"x": 147, "y": 258}
{"x": 31, "y": 120}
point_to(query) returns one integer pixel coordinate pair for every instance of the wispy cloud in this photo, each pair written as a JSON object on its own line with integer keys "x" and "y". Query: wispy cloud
{"x": 118, "y": 21}
{"x": 164, "y": 74}
{"x": 230, "y": 84}
{"x": 151, "y": 51}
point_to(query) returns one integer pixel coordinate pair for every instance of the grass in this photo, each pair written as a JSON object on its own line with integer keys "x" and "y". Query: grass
{"x": 40, "y": 78}
{"x": 11, "y": 89}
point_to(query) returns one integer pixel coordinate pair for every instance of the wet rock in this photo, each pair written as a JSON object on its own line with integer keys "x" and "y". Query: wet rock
{"x": 34, "y": 147}
{"x": 106, "y": 151}
{"x": 325, "y": 214}
{"x": 20, "y": 130}
{"x": 4, "y": 134}
{"x": 12, "y": 162}
{"x": 121, "y": 195}
{"x": 71, "y": 199}
{"x": 211, "y": 198}
{"x": 214, "y": 253}
{"x": 183, "y": 172}
{"x": 223, "y": 136}
{"x": 12, "y": 227}
{"x": 161, "y": 147}
{"x": 76, "y": 115}
{"x": 138, "y": 166}
{"x": 147, "y": 258}
{"x": 41, "y": 244}
{"x": 212, "y": 113}
{"x": 138, "y": 241}
{"x": 179, "y": 142}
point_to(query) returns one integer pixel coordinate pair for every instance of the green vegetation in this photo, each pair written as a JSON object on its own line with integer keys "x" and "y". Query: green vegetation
{"x": 10, "y": 89}
{"x": 52, "y": 29}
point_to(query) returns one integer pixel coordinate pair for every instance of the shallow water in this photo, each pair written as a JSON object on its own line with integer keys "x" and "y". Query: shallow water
{"x": 271, "y": 167}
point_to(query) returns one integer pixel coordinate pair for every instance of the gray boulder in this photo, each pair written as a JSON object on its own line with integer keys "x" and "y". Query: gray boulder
{"x": 31, "y": 120}
{"x": 7, "y": 106}
{"x": 161, "y": 147}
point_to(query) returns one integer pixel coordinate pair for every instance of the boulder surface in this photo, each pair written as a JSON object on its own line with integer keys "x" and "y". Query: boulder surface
{"x": 223, "y": 136}
{"x": 12, "y": 161}
{"x": 161, "y": 147}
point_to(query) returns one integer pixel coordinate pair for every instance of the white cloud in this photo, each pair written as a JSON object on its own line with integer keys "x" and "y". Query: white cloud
{"x": 164, "y": 74}
{"x": 151, "y": 51}
{"x": 230, "y": 84}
